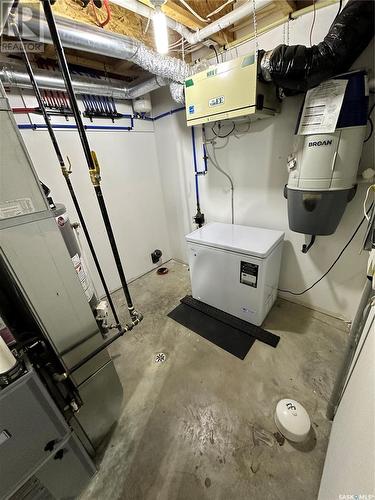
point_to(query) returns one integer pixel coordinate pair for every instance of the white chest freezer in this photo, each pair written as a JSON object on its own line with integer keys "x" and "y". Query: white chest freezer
{"x": 235, "y": 268}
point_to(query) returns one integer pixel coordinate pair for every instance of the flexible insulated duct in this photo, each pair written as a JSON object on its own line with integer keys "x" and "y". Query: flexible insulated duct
{"x": 87, "y": 38}
{"x": 298, "y": 68}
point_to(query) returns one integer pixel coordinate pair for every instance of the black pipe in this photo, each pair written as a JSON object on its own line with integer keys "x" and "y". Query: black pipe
{"x": 104, "y": 345}
{"x": 298, "y": 68}
{"x": 91, "y": 163}
{"x": 65, "y": 172}
{"x": 92, "y": 354}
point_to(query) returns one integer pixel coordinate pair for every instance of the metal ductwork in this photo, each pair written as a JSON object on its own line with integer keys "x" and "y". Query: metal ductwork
{"x": 87, "y": 38}
{"x": 297, "y": 68}
{"x": 16, "y": 76}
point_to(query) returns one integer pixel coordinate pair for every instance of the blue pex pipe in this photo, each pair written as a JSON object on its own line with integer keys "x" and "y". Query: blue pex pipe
{"x": 168, "y": 113}
{"x": 29, "y": 126}
{"x": 41, "y": 126}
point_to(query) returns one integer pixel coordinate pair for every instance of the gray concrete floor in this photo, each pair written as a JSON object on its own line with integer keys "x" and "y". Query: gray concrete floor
{"x": 200, "y": 425}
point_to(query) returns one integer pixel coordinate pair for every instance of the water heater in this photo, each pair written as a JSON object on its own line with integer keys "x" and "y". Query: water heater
{"x": 323, "y": 165}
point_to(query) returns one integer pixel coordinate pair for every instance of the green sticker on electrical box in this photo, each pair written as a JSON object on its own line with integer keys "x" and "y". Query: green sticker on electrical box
{"x": 189, "y": 83}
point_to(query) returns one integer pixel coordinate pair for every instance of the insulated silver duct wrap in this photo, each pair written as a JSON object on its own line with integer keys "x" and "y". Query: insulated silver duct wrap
{"x": 177, "y": 92}
{"x": 87, "y": 38}
{"x": 147, "y": 86}
{"x": 84, "y": 37}
{"x": 265, "y": 66}
{"x": 165, "y": 66}
{"x": 16, "y": 76}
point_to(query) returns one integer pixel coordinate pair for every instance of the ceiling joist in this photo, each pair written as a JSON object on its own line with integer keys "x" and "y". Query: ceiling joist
{"x": 183, "y": 16}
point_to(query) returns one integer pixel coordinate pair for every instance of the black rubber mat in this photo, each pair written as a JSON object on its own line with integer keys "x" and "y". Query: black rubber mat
{"x": 255, "y": 331}
{"x": 221, "y": 334}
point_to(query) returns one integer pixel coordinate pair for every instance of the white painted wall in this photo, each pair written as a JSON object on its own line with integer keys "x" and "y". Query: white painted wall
{"x": 257, "y": 163}
{"x": 130, "y": 182}
{"x": 349, "y": 468}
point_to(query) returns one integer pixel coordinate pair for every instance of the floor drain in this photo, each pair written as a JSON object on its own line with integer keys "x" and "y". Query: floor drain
{"x": 160, "y": 357}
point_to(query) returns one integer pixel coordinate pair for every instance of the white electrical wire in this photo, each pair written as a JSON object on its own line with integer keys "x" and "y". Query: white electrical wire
{"x": 238, "y": 133}
{"x": 190, "y": 9}
{"x": 147, "y": 24}
{"x": 215, "y": 163}
{"x": 177, "y": 43}
{"x": 219, "y": 9}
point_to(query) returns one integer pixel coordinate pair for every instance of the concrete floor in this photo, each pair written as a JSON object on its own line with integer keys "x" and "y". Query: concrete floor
{"x": 200, "y": 425}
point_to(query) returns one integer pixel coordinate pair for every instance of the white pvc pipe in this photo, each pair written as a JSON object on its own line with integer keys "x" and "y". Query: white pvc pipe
{"x": 232, "y": 17}
{"x": 199, "y": 36}
{"x": 143, "y": 10}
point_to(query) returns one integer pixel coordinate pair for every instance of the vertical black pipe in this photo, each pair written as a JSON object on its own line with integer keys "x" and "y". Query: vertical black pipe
{"x": 65, "y": 172}
{"x": 86, "y": 148}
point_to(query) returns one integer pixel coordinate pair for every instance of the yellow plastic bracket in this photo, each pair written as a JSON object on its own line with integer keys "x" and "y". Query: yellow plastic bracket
{"x": 95, "y": 172}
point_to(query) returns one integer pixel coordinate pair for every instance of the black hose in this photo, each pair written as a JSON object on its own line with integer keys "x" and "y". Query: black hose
{"x": 66, "y": 175}
{"x": 86, "y": 147}
{"x": 298, "y": 68}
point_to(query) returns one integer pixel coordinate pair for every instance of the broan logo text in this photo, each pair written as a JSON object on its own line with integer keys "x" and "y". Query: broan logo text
{"x": 320, "y": 143}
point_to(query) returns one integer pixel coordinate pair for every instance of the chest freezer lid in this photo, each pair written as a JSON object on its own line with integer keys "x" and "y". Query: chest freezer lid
{"x": 247, "y": 240}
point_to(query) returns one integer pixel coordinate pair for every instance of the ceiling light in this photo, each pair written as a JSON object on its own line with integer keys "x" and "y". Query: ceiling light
{"x": 160, "y": 30}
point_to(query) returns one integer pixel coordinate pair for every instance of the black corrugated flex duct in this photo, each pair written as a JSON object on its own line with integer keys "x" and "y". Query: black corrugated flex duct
{"x": 298, "y": 68}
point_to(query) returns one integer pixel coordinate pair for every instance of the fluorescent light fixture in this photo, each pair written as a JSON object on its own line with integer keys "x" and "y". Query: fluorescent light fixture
{"x": 160, "y": 31}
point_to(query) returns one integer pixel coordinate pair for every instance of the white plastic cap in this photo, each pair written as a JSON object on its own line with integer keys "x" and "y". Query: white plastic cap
{"x": 292, "y": 420}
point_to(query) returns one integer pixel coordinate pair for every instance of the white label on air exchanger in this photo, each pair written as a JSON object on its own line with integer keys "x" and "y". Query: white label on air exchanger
{"x": 81, "y": 271}
{"x": 216, "y": 101}
{"x": 14, "y": 208}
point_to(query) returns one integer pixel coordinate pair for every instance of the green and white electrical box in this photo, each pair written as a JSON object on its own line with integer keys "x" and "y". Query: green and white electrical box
{"x": 229, "y": 90}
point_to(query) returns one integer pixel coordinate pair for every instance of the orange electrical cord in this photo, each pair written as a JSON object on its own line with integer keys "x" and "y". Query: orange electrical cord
{"x": 108, "y": 10}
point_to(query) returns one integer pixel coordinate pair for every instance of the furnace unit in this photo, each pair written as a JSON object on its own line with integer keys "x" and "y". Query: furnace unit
{"x": 235, "y": 268}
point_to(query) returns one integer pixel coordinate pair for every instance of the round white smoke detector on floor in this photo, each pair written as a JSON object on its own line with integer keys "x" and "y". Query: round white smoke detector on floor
{"x": 292, "y": 420}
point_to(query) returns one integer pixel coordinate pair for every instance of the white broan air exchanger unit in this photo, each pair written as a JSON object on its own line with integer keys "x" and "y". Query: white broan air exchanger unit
{"x": 328, "y": 146}
{"x": 229, "y": 90}
{"x": 235, "y": 268}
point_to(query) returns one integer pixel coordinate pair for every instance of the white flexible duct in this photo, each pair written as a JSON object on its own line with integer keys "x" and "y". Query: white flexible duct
{"x": 96, "y": 40}
{"x": 88, "y": 38}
